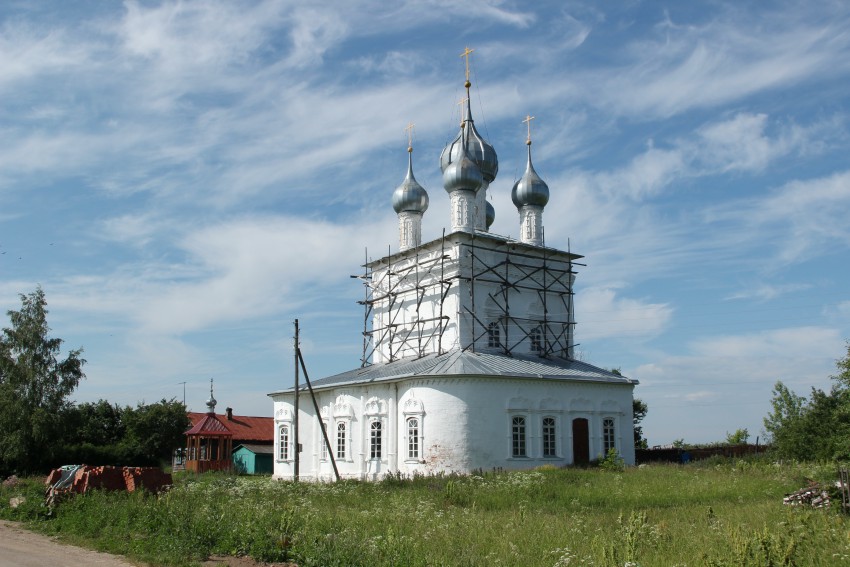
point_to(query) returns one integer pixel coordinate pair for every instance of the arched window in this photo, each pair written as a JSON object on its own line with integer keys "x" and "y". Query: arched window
{"x": 608, "y": 437}
{"x": 550, "y": 446}
{"x": 494, "y": 338}
{"x": 412, "y": 438}
{"x": 324, "y": 445}
{"x": 283, "y": 443}
{"x": 518, "y": 445}
{"x": 341, "y": 440}
{"x": 536, "y": 344}
{"x": 375, "y": 440}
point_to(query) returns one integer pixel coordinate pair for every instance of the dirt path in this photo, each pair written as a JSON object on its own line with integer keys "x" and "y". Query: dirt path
{"x": 23, "y": 548}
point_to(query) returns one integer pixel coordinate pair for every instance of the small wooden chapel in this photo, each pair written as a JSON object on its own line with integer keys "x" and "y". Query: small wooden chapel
{"x": 209, "y": 443}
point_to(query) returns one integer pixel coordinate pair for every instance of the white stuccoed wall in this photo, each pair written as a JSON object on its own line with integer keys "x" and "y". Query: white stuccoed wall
{"x": 465, "y": 424}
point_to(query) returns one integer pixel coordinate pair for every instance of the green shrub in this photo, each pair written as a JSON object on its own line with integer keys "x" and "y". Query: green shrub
{"x": 612, "y": 461}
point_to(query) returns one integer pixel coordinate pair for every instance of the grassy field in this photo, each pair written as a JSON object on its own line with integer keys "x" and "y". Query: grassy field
{"x": 714, "y": 514}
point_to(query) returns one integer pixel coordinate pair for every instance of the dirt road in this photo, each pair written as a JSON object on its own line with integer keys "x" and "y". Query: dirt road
{"x": 23, "y": 548}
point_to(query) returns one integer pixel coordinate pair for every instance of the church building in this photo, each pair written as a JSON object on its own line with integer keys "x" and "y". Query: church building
{"x": 468, "y": 359}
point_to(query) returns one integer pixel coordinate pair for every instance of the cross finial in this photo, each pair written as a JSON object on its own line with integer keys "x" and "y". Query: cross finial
{"x": 211, "y": 402}
{"x": 466, "y": 53}
{"x": 409, "y": 131}
{"x": 527, "y": 122}
{"x": 461, "y": 103}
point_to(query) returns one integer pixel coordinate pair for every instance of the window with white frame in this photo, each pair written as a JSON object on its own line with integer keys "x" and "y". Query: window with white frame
{"x": 608, "y": 437}
{"x": 341, "y": 440}
{"x": 550, "y": 444}
{"x": 494, "y": 338}
{"x": 518, "y": 440}
{"x": 412, "y": 438}
{"x": 375, "y": 430}
{"x": 283, "y": 443}
{"x": 324, "y": 450}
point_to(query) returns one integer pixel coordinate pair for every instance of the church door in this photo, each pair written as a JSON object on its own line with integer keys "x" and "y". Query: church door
{"x": 581, "y": 442}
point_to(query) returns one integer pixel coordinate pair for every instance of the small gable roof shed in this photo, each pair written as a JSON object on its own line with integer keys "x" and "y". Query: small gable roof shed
{"x": 250, "y": 458}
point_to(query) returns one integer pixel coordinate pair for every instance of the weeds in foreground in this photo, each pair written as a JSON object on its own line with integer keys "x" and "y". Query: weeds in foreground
{"x": 720, "y": 514}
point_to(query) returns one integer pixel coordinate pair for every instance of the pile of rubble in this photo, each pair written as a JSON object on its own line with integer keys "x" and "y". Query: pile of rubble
{"x": 79, "y": 479}
{"x": 815, "y": 495}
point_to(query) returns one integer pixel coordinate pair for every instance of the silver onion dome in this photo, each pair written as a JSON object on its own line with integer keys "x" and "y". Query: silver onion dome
{"x": 530, "y": 189}
{"x": 490, "y": 214}
{"x": 410, "y": 196}
{"x": 212, "y": 401}
{"x": 478, "y": 149}
{"x": 462, "y": 174}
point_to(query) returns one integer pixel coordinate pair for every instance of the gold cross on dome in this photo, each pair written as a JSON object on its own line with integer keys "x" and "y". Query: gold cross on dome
{"x": 461, "y": 104}
{"x": 409, "y": 131}
{"x": 527, "y": 122}
{"x": 466, "y": 53}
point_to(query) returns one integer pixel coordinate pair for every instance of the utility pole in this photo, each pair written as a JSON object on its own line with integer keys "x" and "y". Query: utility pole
{"x": 297, "y": 445}
{"x": 184, "y": 393}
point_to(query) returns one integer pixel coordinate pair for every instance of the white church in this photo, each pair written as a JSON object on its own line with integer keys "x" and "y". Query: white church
{"x": 468, "y": 358}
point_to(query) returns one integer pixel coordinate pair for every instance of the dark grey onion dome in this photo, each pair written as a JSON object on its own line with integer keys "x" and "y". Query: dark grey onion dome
{"x": 530, "y": 189}
{"x": 491, "y": 214}
{"x": 462, "y": 174}
{"x": 479, "y": 151}
{"x": 410, "y": 196}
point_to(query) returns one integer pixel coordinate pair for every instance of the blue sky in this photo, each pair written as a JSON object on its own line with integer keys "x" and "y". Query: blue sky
{"x": 184, "y": 179}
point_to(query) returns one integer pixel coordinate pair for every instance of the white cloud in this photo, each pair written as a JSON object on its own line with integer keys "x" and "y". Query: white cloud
{"x": 28, "y": 52}
{"x": 250, "y": 267}
{"x": 722, "y": 383}
{"x": 801, "y": 218}
{"x": 768, "y": 292}
{"x": 602, "y": 314}
{"x": 807, "y": 342}
{"x": 726, "y": 59}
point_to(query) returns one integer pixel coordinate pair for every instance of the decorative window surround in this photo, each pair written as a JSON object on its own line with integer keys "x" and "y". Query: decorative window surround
{"x": 550, "y": 437}
{"x": 519, "y": 437}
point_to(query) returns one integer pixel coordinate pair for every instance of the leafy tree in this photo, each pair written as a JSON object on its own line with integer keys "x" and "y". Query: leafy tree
{"x": 154, "y": 430}
{"x": 813, "y": 428}
{"x": 34, "y": 387}
{"x": 739, "y": 437}
{"x": 98, "y": 423}
{"x": 639, "y": 409}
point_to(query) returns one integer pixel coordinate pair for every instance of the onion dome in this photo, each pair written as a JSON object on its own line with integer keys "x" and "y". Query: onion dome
{"x": 490, "y": 214}
{"x": 478, "y": 149}
{"x": 462, "y": 174}
{"x": 530, "y": 189}
{"x": 410, "y": 196}
{"x": 212, "y": 401}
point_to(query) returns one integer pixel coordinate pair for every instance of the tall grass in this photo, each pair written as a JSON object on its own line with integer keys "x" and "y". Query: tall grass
{"x": 719, "y": 514}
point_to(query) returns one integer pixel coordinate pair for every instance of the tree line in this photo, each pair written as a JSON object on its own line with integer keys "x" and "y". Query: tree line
{"x": 813, "y": 428}
{"x": 40, "y": 428}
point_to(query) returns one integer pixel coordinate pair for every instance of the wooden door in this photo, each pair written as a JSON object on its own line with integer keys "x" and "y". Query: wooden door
{"x": 581, "y": 442}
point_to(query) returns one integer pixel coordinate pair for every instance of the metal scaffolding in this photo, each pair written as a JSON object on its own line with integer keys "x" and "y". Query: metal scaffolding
{"x": 408, "y": 294}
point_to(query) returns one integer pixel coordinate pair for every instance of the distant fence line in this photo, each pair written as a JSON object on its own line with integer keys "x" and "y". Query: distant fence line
{"x": 677, "y": 455}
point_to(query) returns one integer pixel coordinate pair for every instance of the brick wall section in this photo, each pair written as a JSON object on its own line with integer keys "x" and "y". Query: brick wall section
{"x": 114, "y": 478}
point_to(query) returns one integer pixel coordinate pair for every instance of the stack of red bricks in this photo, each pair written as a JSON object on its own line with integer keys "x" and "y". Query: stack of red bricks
{"x": 148, "y": 478}
{"x": 87, "y": 478}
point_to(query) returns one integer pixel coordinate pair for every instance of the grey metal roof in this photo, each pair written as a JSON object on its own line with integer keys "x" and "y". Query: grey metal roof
{"x": 256, "y": 449}
{"x": 410, "y": 195}
{"x": 460, "y": 363}
{"x": 530, "y": 189}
